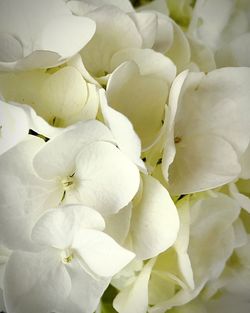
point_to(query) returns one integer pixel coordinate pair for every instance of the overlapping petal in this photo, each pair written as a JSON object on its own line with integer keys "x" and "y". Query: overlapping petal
{"x": 155, "y": 221}
{"x": 142, "y": 99}
{"x": 204, "y": 135}
{"x": 34, "y": 293}
{"x": 34, "y": 33}
{"x": 105, "y": 178}
{"x": 102, "y": 255}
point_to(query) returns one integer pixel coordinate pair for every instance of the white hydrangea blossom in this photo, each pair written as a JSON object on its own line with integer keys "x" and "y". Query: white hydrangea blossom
{"x": 124, "y": 156}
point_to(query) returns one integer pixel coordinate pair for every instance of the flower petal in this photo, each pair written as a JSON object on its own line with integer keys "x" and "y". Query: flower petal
{"x": 123, "y": 132}
{"x": 24, "y": 196}
{"x": 208, "y": 162}
{"x": 174, "y": 94}
{"x": 69, "y": 28}
{"x": 149, "y": 62}
{"x": 25, "y": 291}
{"x": 14, "y": 126}
{"x": 117, "y": 225}
{"x": 102, "y": 255}
{"x": 57, "y": 227}
{"x": 62, "y": 150}
{"x": 85, "y": 291}
{"x": 111, "y": 23}
{"x": 211, "y": 221}
{"x": 38, "y": 33}
{"x": 135, "y": 298}
{"x": 155, "y": 221}
{"x": 142, "y": 99}
{"x": 63, "y": 95}
{"x": 146, "y": 23}
{"x": 106, "y": 179}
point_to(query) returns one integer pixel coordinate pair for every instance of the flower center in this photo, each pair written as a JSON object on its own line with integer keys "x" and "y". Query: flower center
{"x": 177, "y": 139}
{"x": 67, "y": 182}
{"x": 67, "y": 256}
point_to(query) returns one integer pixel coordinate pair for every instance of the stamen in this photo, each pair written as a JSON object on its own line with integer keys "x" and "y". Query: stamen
{"x": 67, "y": 182}
{"x": 67, "y": 256}
{"x": 177, "y": 139}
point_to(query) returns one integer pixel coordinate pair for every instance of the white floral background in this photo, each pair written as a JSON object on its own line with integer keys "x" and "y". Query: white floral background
{"x": 124, "y": 156}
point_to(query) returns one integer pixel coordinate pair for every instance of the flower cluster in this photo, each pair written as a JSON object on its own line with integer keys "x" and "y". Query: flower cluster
{"x": 124, "y": 156}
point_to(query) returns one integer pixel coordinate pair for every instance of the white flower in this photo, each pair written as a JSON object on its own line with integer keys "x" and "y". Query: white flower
{"x": 73, "y": 268}
{"x": 211, "y": 243}
{"x": 154, "y": 222}
{"x": 86, "y": 167}
{"x": 135, "y": 296}
{"x": 208, "y": 129}
{"x": 111, "y": 22}
{"x": 23, "y": 194}
{"x": 62, "y": 97}
{"x": 144, "y": 95}
{"x": 16, "y": 121}
{"x": 123, "y": 132}
{"x": 37, "y": 34}
{"x": 80, "y": 165}
{"x": 223, "y": 26}
{"x": 4, "y": 256}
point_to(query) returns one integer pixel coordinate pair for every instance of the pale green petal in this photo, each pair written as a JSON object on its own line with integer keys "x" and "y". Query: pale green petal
{"x": 161, "y": 288}
{"x": 240, "y": 233}
{"x": 134, "y": 298}
{"x": 63, "y": 96}
{"x": 77, "y": 62}
{"x": 242, "y": 200}
{"x": 24, "y": 87}
{"x": 179, "y": 299}
{"x": 179, "y": 51}
{"x": 142, "y": 99}
{"x": 123, "y": 132}
{"x": 182, "y": 242}
{"x": 91, "y": 107}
